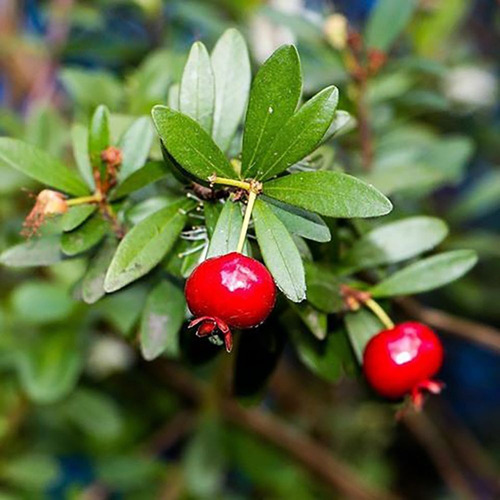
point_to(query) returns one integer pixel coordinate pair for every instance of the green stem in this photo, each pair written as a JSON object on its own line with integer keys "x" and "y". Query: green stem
{"x": 95, "y": 198}
{"x": 230, "y": 182}
{"x": 252, "y": 196}
{"x": 380, "y": 313}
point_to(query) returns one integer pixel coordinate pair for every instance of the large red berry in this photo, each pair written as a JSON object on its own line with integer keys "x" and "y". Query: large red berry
{"x": 229, "y": 291}
{"x": 403, "y": 360}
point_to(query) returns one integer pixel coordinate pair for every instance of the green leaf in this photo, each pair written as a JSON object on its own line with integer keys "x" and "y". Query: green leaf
{"x": 396, "y": 241}
{"x": 323, "y": 289}
{"x": 211, "y": 211}
{"x": 99, "y": 136}
{"x": 361, "y": 326}
{"x": 427, "y": 274}
{"x": 77, "y": 215}
{"x": 135, "y": 144}
{"x": 329, "y": 193}
{"x": 161, "y": 321}
{"x": 40, "y": 166}
{"x": 227, "y": 231}
{"x": 85, "y": 236}
{"x": 342, "y": 123}
{"x": 93, "y": 281}
{"x": 32, "y": 472}
{"x": 80, "y": 143}
{"x": 151, "y": 172}
{"x": 300, "y": 135}
{"x": 274, "y": 97}
{"x": 231, "y": 66}
{"x": 43, "y": 251}
{"x": 315, "y": 321}
{"x": 299, "y": 221}
{"x": 173, "y": 96}
{"x": 190, "y": 145}
{"x": 146, "y": 245}
{"x": 388, "y": 19}
{"x": 280, "y": 253}
{"x": 197, "y": 90}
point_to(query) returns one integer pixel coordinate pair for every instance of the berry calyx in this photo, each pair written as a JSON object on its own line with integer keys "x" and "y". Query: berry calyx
{"x": 231, "y": 291}
{"x": 402, "y": 361}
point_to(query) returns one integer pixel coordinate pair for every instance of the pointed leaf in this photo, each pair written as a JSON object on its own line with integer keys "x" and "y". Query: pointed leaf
{"x": 197, "y": 90}
{"x": 190, "y": 145}
{"x": 146, "y": 245}
{"x": 81, "y": 239}
{"x": 280, "y": 253}
{"x": 227, "y": 231}
{"x": 427, "y": 274}
{"x": 274, "y": 97}
{"x": 77, "y": 215}
{"x": 43, "y": 251}
{"x": 231, "y": 66}
{"x": 80, "y": 143}
{"x": 151, "y": 172}
{"x": 162, "y": 319}
{"x": 40, "y": 166}
{"x": 329, "y": 193}
{"x": 300, "y": 135}
{"x": 361, "y": 326}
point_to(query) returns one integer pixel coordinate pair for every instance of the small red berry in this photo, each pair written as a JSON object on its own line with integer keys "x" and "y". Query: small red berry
{"x": 403, "y": 360}
{"x": 229, "y": 291}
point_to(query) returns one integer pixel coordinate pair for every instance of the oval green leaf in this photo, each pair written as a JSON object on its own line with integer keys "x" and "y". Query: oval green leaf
{"x": 227, "y": 230}
{"x": 43, "y": 251}
{"x": 84, "y": 237}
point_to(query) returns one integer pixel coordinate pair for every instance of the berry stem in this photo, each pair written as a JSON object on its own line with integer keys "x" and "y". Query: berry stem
{"x": 230, "y": 182}
{"x": 95, "y": 198}
{"x": 252, "y": 196}
{"x": 380, "y": 313}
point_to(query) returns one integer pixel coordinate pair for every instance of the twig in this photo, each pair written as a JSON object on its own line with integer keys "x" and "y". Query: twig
{"x": 485, "y": 335}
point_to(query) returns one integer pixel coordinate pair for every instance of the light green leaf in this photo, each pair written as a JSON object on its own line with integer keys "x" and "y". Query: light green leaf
{"x": 274, "y": 97}
{"x": 280, "y": 253}
{"x": 77, "y": 215}
{"x": 190, "y": 145}
{"x": 388, "y": 19}
{"x": 231, "y": 66}
{"x": 80, "y": 143}
{"x": 227, "y": 230}
{"x": 329, "y": 193}
{"x": 85, "y": 236}
{"x": 211, "y": 211}
{"x": 173, "y": 96}
{"x": 99, "y": 136}
{"x": 151, "y": 172}
{"x": 33, "y": 472}
{"x": 40, "y": 166}
{"x": 197, "y": 90}
{"x": 342, "y": 123}
{"x": 395, "y": 242}
{"x": 146, "y": 244}
{"x": 162, "y": 319}
{"x": 300, "y": 135}
{"x": 43, "y": 251}
{"x": 427, "y": 274}
{"x": 361, "y": 326}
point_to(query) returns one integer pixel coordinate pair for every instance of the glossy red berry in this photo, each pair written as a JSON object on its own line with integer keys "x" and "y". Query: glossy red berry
{"x": 403, "y": 361}
{"x": 229, "y": 291}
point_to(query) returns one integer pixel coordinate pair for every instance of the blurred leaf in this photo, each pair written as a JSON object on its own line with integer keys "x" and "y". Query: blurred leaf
{"x": 40, "y": 166}
{"x": 329, "y": 193}
{"x": 486, "y": 244}
{"x": 361, "y": 326}
{"x": 173, "y": 97}
{"x": 146, "y": 244}
{"x": 127, "y": 472}
{"x": 395, "y": 242}
{"x": 231, "y": 67}
{"x": 151, "y": 172}
{"x": 149, "y": 206}
{"x": 162, "y": 319}
{"x": 323, "y": 288}
{"x": 342, "y": 122}
{"x": 190, "y": 145}
{"x": 227, "y": 231}
{"x": 99, "y": 137}
{"x": 426, "y": 274}
{"x": 316, "y": 321}
{"x": 197, "y": 90}
{"x": 279, "y": 252}
{"x": 387, "y": 20}
{"x": 85, "y": 236}
{"x": 76, "y": 216}
{"x": 80, "y": 142}
{"x": 31, "y": 472}
{"x": 274, "y": 97}
{"x": 42, "y": 251}
{"x": 211, "y": 211}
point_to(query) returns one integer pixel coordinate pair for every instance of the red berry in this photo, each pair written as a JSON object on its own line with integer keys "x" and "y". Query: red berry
{"x": 229, "y": 291}
{"x": 403, "y": 360}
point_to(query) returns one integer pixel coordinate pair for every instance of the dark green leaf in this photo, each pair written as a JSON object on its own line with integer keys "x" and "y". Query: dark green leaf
{"x": 361, "y": 326}
{"x": 231, "y": 66}
{"x": 42, "y": 251}
{"x": 162, "y": 319}
{"x": 190, "y": 145}
{"x": 315, "y": 321}
{"x": 77, "y": 215}
{"x": 99, "y": 136}
{"x": 427, "y": 274}
{"x": 151, "y": 172}
{"x": 85, "y": 236}
{"x": 300, "y": 135}
{"x": 80, "y": 143}
{"x": 396, "y": 241}
{"x": 40, "y": 166}
{"x": 197, "y": 90}
{"x": 323, "y": 289}
{"x": 146, "y": 244}
{"x": 279, "y": 252}
{"x": 329, "y": 193}
{"x": 227, "y": 230}
{"x": 274, "y": 97}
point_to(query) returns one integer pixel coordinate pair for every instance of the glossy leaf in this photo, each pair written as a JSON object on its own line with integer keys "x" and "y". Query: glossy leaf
{"x": 273, "y": 99}
{"x": 427, "y": 274}
{"x": 190, "y": 145}
{"x": 396, "y": 241}
{"x": 227, "y": 230}
{"x": 40, "y": 166}
{"x": 151, "y": 172}
{"x": 146, "y": 244}
{"x": 162, "y": 319}
{"x": 361, "y": 326}
{"x": 85, "y": 236}
{"x": 77, "y": 215}
{"x": 80, "y": 143}
{"x": 329, "y": 193}
{"x": 42, "y": 251}
{"x": 231, "y": 66}
{"x": 197, "y": 90}
{"x": 280, "y": 253}
{"x": 300, "y": 135}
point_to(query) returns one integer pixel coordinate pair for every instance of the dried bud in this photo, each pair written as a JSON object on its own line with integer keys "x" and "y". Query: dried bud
{"x": 47, "y": 203}
{"x": 112, "y": 157}
{"x": 335, "y": 30}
